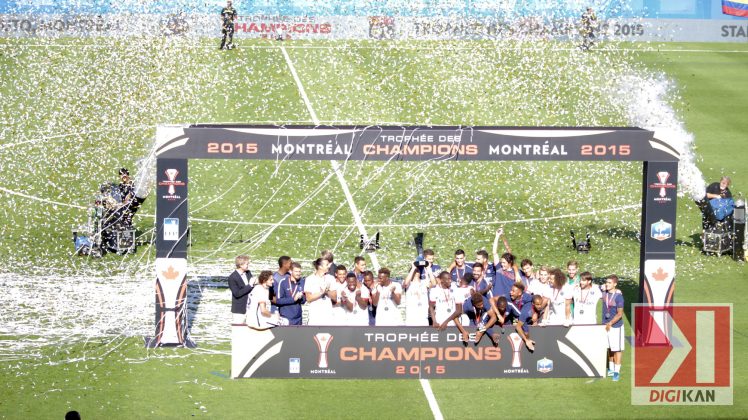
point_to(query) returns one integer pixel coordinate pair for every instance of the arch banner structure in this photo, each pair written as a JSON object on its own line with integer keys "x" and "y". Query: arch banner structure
{"x": 176, "y": 144}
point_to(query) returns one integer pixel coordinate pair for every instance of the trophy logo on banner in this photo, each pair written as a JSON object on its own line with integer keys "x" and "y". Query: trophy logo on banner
{"x": 323, "y": 341}
{"x": 171, "y": 174}
{"x": 663, "y": 177}
{"x": 516, "y": 341}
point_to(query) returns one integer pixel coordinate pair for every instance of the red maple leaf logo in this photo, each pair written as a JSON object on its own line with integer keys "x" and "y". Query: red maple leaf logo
{"x": 660, "y": 274}
{"x": 170, "y": 273}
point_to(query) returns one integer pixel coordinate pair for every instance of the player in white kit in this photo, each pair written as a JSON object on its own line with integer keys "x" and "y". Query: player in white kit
{"x": 386, "y": 297}
{"x": 417, "y": 297}
{"x": 586, "y": 298}
{"x": 443, "y": 305}
{"x": 559, "y": 296}
{"x": 319, "y": 294}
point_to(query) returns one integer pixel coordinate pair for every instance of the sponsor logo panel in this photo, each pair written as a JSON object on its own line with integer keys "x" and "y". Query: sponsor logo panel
{"x": 682, "y": 355}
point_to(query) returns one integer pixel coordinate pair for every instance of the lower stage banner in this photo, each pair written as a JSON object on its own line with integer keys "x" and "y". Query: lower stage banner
{"x": 415, "y": 352}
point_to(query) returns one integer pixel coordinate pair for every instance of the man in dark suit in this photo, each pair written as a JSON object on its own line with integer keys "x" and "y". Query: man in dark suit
{"x": 240, "y": 283}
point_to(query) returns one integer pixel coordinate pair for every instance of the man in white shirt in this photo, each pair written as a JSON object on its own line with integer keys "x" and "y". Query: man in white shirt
{"x": 585, "y": 300}
{"x": 319, "y": 293}
{"x": 417, "y": 297}
{"x": 354, "y": 299}
{"x": 339, "y": 314}
{"x": 386, "y": 297}
{"x": 540, "y": 285}
{"x": 443, "y": 305}
{"x": 560, "y": 296}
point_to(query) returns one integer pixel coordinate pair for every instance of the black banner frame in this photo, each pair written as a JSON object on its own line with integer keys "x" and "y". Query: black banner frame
{"x": 176, "y": 144}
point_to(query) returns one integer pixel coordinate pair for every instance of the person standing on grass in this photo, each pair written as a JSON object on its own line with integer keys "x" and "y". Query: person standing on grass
{"x": 354, "y": 298}
{"x": 228, "y": 18}
{"x": 359, "y": 266}
{"x": 339, "y": 313}
{"x": 417, "y": 297}
{"x": 240, "y": 283}
{"x": 560, "y": 297}
{"x": 443, "y": 307}
{"x": 572, "y": 270}
{"x": 458, "y": 269}
{"x": 283, "y": 273}
{"x": 370, "y": 283}
{"x": 290, "y": 296}
{"x": 258, "y": 311}
{"x": 585, "y": 300}
{"x": 613, "y": 319}
{"x": 320, "y": 294}
{"x": 386, "y": 297}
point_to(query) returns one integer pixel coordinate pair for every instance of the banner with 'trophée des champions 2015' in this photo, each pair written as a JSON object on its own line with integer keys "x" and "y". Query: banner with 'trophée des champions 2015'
{"x": 415, "y": 352}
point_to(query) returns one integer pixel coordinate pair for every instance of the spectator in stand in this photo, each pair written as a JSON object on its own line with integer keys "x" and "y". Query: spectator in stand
{"x": 417, "y": 297}
{"x": 370, "y": 284}
{"x": 560, "y": 297}
{"x": 359, "y": 266}
{"x": 613, "y": 319}
{"x": 240, "y": 283}
{"x": 585, "y": 300}
{"x": 478, "y": 311}
{"x": 339, "y": 314}
{"x": 319, "y": 293}
{"x": 443, "y": 306}
{"x": 386, "y": 298}
{"x": 458, "y": 269}
{"x": 531, "y": 315}
{"x": 290, "y": 296}
{"x": 259, "y": 314}
{"x": 354, "y": 298}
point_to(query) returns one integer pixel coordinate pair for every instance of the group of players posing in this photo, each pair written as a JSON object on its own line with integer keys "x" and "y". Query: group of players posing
{"x": 480, "y": 296}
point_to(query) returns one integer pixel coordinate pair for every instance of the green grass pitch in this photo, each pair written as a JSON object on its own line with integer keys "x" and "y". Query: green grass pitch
{"x": 71, "y": 114}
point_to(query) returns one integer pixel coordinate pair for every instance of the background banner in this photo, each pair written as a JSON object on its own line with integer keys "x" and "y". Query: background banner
{"x": 415, "y": 352}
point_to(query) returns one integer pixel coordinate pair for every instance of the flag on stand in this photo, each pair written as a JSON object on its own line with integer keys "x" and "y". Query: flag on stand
{"x": 735, "y": 7}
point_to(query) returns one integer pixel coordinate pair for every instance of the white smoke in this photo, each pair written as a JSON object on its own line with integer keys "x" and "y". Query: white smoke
{"x": 146, "y": 173}
{"x": 646, "y": 106}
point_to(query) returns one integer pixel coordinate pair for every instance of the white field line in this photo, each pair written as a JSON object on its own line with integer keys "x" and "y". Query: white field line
{"x": 389, "y": 46}
{"x": 431, "y": 399}
{"x": 335, "y": 166}
{"x": 358, "y": 219}
{"x": 79, "y": 133}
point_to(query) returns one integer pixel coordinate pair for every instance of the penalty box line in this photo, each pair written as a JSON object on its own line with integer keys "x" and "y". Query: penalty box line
{"x": 335, "y": 166}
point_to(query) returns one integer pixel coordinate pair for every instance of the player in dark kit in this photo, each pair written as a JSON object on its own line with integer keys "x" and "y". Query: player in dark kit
{"x": 228, "y": 15}
{"x": 589, "y": 25}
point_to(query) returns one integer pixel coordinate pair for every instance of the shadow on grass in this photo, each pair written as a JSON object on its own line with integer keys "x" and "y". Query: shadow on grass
{"x": 195, "y": 295}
